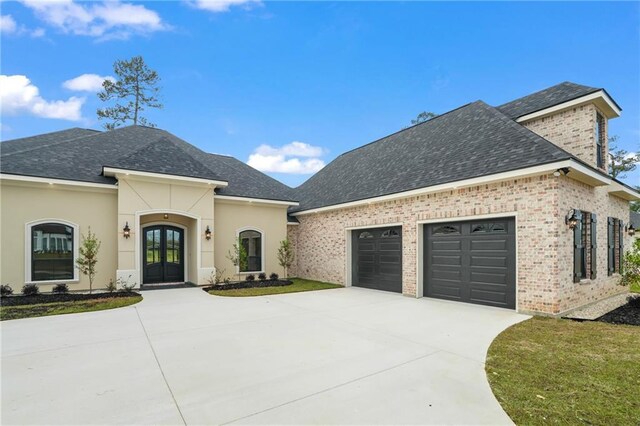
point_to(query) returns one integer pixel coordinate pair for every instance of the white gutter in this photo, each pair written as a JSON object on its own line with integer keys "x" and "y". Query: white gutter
{"x": 255, "y": 200}
{"x": 53, "y": 181}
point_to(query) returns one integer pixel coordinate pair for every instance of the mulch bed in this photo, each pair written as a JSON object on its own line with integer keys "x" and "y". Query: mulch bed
{"x": 248, "y": 284}
{"x": 626, "y": 314}
{"x": 52, "y": 298}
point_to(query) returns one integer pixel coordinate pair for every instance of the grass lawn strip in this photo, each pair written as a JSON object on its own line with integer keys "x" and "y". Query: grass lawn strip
{"x": 58, "y": 308}
{"x": 552, "y": 371}
{"x": 297, "y": 286}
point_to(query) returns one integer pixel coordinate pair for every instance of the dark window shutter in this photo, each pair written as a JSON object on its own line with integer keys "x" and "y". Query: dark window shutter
{"x": 577, "y": 248}
{"x": 620, "y": 244}
{"x": 594, "y": 245}
{"x": 611, "y": 249}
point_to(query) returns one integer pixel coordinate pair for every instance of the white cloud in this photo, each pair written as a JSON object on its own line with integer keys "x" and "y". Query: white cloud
{"x": 293, "y": 149}
{"x": 18, "y": 95}
{"x": 218, "y": 6}
{"x": 109, "y": 19}
{"x": 8, "y": 24}
{"x": 86, "y": 83}
{"x": 267, "y": 158}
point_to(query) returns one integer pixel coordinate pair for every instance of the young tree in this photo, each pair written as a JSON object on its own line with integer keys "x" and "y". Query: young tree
{"x": 136, "y": 86}
{"x": 422, "y": 117}
{"x": 622, "y": 161}
{"x": 88, "y": 258}
{"x": 285, "y": 255}
{"x": 238, "y": 256}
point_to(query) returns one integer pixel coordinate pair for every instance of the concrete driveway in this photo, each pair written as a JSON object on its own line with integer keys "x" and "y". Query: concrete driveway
{"x": 182, "y": 356}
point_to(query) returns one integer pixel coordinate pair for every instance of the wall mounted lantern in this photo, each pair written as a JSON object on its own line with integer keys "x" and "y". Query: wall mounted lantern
{"x": 562, "y": 171}
{"x": 166, "y": 216}
{"x": 207, "y": 233}
{"x": 631, "y": 230}
{"x": 571, "y": 219}
{"x": 126, "y": 231}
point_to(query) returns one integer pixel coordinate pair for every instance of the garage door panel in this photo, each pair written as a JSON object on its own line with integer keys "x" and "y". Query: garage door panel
{"x": 472, "y": 261}
{"x": 377, "y": 259}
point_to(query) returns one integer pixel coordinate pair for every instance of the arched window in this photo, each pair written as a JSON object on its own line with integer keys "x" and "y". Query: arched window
{"x": 52, "y": 251}
{"x": 251, "y": 240}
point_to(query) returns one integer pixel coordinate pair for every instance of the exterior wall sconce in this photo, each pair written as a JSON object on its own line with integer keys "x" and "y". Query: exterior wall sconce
{"x": 631, "y": 230}
{"x": 207, "y": 233}
{"x": 571, "y": 219}
{"x": 563, "y": 171}
{"x": 126, "y": 231}
{"x": 166, "y": 216}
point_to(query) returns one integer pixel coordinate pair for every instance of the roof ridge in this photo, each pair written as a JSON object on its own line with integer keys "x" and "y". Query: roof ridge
{"x": 35, "y": 148}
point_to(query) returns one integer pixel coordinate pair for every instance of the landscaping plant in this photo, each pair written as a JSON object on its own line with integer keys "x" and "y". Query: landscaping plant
{"x": 273, "y": 276}
{"x": 262, "y": 276}
{"x": 631, "y": 265}
{"x": 238, "y": 256}
{"x": 285, "y": 255}
{"x": 6, "y": 290}
{"x": 111, "y": 286}
{"x": 60, "y": 289}
{"x": 250, "y": 278}
{"x": 30, "y": 290}
{"x": 88, "y": 258}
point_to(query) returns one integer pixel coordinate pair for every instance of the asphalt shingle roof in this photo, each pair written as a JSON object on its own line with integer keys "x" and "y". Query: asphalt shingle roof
{"x": 80, "y": 155}
{"x": 546, "y": 98}
{"x": 471, "y": 141}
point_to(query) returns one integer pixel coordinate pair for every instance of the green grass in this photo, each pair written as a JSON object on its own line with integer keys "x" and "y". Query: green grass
{"x": 298, "y": 285}
{"x": 59, "y": 308}
{"x": 553, "y": 371}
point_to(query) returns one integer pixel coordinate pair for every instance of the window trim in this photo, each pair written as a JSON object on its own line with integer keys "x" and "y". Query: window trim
{"x": 28, "y": 244}
{"x": 262, "y": 251}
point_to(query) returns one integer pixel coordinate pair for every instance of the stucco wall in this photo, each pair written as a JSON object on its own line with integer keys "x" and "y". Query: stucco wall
{"x": 22, "y": 203}
{"x": 576, "y": 195}
{"x": 574, "y": 131}
{"x": 321, "y": 245}
{"x": 233, "y": 216}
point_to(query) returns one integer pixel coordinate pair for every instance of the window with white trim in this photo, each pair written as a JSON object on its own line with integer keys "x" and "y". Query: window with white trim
{"x": 51, "y": 251}
{"x": 251, "y": 240}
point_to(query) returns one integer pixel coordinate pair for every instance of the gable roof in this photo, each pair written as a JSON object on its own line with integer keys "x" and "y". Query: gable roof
{"x": 80, "y": 155}
{"x": 546, "y": 98}
{"x": 472, "y": 141}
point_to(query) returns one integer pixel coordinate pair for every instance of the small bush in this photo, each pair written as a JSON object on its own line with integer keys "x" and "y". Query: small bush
{"x": 273, "y": 276}
{"x": 634, "y": 301}
{"x": 126, "y": 287}
{"x": 250, "y": 277}
{"x": 30, "y": 290}
{"x": 6, "y": 290}
{"x": 112, "y": 286}
{"x": 262, "y": 276}
{"x": 60, "y": 289}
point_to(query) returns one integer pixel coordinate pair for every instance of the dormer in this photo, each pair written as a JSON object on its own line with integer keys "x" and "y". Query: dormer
{"x": 570, "y": 115}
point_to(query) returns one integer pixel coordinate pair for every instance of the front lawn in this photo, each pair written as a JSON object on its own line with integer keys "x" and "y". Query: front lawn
{"x": 298, "y": 285}
{"x": 69, "y": 307}
{"x": 554, "y": 371}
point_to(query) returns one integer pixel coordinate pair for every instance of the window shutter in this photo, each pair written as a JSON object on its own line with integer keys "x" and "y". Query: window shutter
{"x": 611, "y": 249}
{"x": 577, "y": 248}
{"x": 621, "y": 244}
{"x": 594, "y": 246}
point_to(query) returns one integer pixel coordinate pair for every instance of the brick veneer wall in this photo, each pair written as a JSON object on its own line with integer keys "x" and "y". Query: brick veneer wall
{"x": 580, "y": 196}
{"x": 574, "y": 131}
{"x": 321, "y": 237}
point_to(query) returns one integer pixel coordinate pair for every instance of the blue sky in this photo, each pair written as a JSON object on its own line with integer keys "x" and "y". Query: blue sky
{"x": 251, "y": 78}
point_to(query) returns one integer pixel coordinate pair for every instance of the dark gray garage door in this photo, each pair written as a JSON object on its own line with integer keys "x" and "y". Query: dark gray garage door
{"x": 472, "y": 261}
{"x": 377, "y": 258}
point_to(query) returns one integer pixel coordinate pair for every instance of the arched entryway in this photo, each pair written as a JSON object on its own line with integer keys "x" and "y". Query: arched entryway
{"x": 163, "y": 254}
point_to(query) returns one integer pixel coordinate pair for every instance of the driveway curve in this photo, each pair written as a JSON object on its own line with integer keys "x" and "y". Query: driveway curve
{"x": 343, "y": 356}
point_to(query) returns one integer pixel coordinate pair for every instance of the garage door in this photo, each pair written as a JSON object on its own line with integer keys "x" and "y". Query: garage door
{"x": 377, "y": 258}
{"x": 472, "y": 261}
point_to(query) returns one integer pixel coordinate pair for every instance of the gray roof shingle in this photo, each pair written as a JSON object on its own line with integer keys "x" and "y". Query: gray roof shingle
{"x": 546, "y": 98}
{"x": 81, "y": 155}
{"x": 471, "y": 141}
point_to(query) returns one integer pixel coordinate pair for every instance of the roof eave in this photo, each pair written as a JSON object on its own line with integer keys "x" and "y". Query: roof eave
{"x": 600, "y": 98}
{"x": 120, "y": 172}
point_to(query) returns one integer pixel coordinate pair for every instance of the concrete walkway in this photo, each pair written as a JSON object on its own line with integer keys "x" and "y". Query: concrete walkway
{"x": 344, "y": 356}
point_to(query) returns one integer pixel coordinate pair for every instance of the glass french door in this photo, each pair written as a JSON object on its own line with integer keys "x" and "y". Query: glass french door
{"x": 163, "y": 254}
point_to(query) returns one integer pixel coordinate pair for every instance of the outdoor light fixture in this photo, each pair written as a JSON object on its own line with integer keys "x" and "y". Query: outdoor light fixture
{"x": 126, "y": 231}
{"x": 571, "y": 219}
{"x": 631, "y": 230}
{"x": 166, "y": 216}
{"x": 562, "y": 171}
{"x": 207, "y": 233}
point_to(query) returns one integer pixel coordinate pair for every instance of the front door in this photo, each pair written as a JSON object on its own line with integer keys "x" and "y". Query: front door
{"x": 163, "y": 254}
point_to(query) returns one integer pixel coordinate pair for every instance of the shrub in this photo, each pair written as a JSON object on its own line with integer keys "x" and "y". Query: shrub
{"x": 250, "y": 277}
{"x": 262, "y": 276}
{"x": 60, "y": 289}
{"x": 273, "y": 276}
{"x": 30, "y": 290}
{"x": 126, "y": 287}
{"x": 112, "y": 286}
{"x": 631, "y": 265}
{"x": 217, "y": 277}
{"x": 6, "y": 290}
